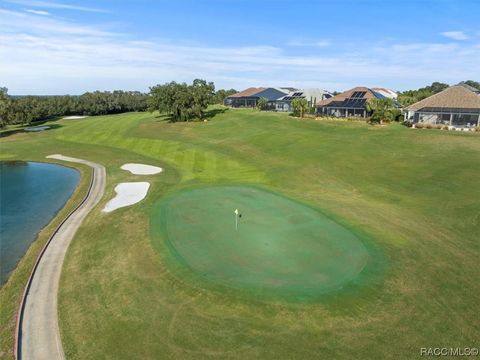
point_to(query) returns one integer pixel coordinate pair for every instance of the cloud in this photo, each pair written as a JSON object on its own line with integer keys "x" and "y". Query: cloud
{"x": 455, "y": 35}
{"x": 38, "y": 12}
{"x": 54, "y": 5}
{"x": 47, "y": 55}
{"x": 304, "y": 43}
{"x": 20, "y": 22}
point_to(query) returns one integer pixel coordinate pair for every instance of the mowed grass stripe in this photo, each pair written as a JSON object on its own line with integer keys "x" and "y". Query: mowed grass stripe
{"x": 199, "y": 162}
{"x": 169, "y": 151}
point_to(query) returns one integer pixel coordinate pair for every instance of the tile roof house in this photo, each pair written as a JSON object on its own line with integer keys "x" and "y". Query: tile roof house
{"x": 250, "y": 96}
{"x": 350, "y": 103}
{"x": 457, "y": 106}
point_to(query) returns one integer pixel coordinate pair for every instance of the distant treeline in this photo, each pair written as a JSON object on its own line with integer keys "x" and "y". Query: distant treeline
{"x": 180, "y": 101}
{"x": 412, "y": 96}
{"x": 28, "y": 109}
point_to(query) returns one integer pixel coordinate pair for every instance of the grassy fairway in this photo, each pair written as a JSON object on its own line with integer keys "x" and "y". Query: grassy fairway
{"x": 414, "y": 193}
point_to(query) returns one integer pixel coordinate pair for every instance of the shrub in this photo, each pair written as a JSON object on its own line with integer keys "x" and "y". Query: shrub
{"x": 429, "y": 126}
{"x": 300, "y": 106}
{"x": 382, "y": 110}
{"x": 419, "y": 125}
{"x": 262, "y": 103}
{"x": 397, "y": 115}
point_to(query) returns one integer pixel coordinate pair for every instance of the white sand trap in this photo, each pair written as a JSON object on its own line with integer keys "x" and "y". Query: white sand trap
{"x": 142, "y": 169}
{"x": 127, "y": 194}
{"x": 73, "y": 117}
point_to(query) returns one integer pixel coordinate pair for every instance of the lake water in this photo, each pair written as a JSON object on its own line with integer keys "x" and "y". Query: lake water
{"x": 31, "y": 194}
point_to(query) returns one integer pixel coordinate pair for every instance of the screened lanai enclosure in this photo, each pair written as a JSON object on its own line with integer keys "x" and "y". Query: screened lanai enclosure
{"x": 243, "y": 101}
{"x": 457, "y": 106}
{"x": 451, "y": 117}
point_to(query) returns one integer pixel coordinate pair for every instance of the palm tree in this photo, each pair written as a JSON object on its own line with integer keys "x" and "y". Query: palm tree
{"x": 300, "y": 106}
{"x": 262, "y": 103}
{"x": 381, "y": 109}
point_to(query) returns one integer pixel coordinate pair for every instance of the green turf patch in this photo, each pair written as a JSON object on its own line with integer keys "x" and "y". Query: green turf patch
{"x": 281, "y": 246}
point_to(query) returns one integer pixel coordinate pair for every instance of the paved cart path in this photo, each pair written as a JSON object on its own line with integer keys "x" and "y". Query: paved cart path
{"x": 38, "y": 333}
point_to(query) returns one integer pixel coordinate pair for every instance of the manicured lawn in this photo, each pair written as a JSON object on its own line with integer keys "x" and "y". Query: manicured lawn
{"x": 413, "y": 193}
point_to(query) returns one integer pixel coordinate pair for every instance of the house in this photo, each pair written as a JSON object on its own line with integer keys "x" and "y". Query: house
{"x": 457, "y": 106}
{"x": 250, "y": 96}
{"x": 350, "y": 103}
{"x": 311, "y": 95}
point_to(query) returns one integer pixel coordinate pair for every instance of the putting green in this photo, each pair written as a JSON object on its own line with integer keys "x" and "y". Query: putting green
{"x": 281, "y": 246}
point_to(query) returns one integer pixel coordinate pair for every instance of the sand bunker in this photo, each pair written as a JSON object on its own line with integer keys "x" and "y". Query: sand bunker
{"x": 73, "y": 117}
{"x": 127, "y": 194}
{"x": 142, "y": 169}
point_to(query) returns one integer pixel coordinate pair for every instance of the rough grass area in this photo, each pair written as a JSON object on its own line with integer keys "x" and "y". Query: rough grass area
{"x": 414, "y": 193}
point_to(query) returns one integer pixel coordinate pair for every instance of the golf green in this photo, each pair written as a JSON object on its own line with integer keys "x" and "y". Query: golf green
{"x": 280, "y": 245}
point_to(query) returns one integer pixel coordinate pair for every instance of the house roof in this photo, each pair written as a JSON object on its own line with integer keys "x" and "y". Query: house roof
{"x": 386, "y": 92}
{"x": 347, "y": 98}
{"x": 315, "y": 93}
{"x": 252, "y": 91}
{"x": 283, "y": 88}
{"x": 468, "y": 87}
{"x": 456, "y": 97}
{"x": 306, "y": 93}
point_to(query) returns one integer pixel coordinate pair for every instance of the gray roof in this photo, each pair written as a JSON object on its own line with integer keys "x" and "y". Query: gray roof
{"x": 468, "y": 87}
{"x": 453, "y": 97}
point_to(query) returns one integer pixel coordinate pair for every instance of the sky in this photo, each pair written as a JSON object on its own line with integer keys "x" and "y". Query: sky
{"x": 70, "y": 47}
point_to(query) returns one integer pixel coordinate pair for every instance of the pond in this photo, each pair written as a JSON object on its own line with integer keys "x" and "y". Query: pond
{"x": 31, "y": 194}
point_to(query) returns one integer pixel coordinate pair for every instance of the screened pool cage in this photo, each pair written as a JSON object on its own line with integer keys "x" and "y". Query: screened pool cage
{"x": 462, "y": 118}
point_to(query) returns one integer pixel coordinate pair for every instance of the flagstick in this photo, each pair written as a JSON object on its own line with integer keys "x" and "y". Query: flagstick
{"x": 236, "y": 219}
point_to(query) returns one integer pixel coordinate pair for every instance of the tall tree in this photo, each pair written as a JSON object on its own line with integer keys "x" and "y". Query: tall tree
{"x": 181, "y": 101}
{"x": 202, "y": 93}
{"x": 221, "y": 94}
{"x": 3, "y": 105}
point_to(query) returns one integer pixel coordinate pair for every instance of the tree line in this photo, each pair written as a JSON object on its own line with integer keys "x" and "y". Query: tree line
{"x": 183, "y": 101}
{"x": 27, "y": 109}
